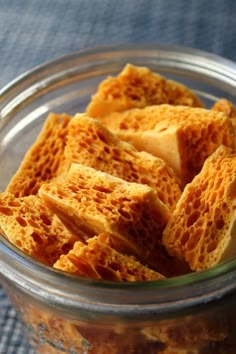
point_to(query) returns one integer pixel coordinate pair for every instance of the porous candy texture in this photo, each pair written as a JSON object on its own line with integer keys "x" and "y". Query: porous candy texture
{"x": 29, "y": 225}
{"x": 97, "y": 183}
{"x": 138, "y": 87}
{"x": 182, "y": 136}
{"x": 97, "y": 260}
{"x": 201, "y": 229}
{"x": 97, "y": 202}
{"x": 227, "y": 107}
{"x": 44, "y": 160}
{"x": 105, "y": 207}
{"x": 92, "y": 144}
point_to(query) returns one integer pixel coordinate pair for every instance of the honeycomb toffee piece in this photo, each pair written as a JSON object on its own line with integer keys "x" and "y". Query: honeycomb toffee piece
{"x": 201, "y": 229}
{"x": 227, "y": 108}
{"x": 138, "y": 87}
{"x": 91, "y": 144}
{"x": 44, "y": 159}
{"x": 183, "y": 136}
{"x": 97, "y": 260}
{"x": 96, "y": 202}
{"x": 33, "y": 228}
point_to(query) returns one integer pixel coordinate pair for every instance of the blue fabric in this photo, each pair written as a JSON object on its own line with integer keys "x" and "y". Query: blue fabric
{"x": 33, "y": 31}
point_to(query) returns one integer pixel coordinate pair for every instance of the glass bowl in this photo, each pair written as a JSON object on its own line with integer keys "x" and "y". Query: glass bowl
{"x": 195, "y": 313}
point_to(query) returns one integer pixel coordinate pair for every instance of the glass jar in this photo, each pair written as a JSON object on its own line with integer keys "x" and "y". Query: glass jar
{"x": 191, "y": 314}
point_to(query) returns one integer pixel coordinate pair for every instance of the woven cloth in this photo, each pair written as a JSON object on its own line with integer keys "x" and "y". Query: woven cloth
{"x": 33, "y": 31}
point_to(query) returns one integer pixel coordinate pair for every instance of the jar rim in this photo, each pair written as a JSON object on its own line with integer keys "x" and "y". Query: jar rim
{"x": 162, "y": 49}
{"x": 161, "y": 296}
{"x": 168, "y": 293}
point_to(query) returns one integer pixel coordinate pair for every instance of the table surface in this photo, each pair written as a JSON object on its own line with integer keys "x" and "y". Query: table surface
{"x": 32, "y": 32}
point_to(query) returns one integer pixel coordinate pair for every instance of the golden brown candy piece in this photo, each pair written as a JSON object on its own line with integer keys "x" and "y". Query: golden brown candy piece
{"x": 183, "y": 136}
{"x": 201, "y": 229}
{"x": 44, "y": 160}
{"x": 97, "y": 260}
{"x": 97, "y": 202}
{"x": 33, "y": 228}
{"x": 227, "y": 107}
{"x": 91, "y": 144}
{"x": 138, "y": 87}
